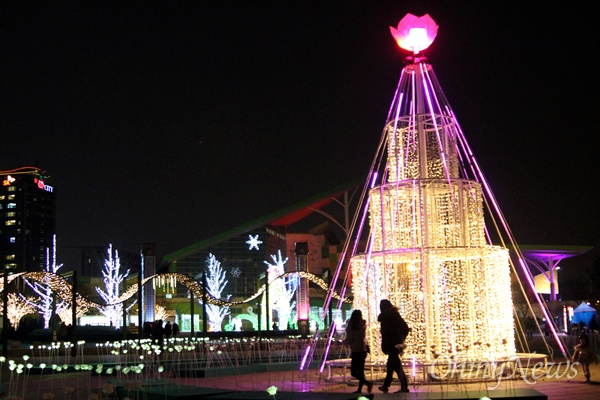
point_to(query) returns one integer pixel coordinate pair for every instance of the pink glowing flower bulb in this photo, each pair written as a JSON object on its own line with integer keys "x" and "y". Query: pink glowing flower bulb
{"x": 415, "y": 33}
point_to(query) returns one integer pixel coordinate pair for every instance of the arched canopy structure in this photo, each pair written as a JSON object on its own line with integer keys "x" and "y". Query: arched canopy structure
{"x": 545, "y": 260}
{"x": 63, "y": 288}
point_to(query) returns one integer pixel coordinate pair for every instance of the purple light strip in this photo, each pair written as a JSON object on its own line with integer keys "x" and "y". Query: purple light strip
{"x": 305, "y": 357}
{"x": 326, "y": 349}
{"x": 398, "y": 167}
{"x": 373, "y": 178}
{"x": 426, "y": 82}
{"x": 461, "y": 141}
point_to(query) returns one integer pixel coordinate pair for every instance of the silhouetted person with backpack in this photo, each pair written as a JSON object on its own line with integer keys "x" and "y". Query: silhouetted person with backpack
{"x": 394, "y": 330}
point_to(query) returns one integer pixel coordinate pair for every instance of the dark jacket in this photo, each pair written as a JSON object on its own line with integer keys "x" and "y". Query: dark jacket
{"x": 394, "y": 330}
{"x": 167, "y": 329}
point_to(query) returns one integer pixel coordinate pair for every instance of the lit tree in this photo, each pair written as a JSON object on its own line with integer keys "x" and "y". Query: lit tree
{"x": 291, "y": 284}
{"x": 215, "y": 283}
{"x": 66, "y": 313}
{"x": 18, "y": 307}
{"x": 112, "y": 283}
{"x": 161, "y": 313}
{"x": 45, "y": 294}
{"x": 280, "y": 292}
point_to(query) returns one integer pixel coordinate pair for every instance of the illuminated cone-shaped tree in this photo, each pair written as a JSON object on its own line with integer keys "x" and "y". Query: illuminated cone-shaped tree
{"x": 427, "y": 250}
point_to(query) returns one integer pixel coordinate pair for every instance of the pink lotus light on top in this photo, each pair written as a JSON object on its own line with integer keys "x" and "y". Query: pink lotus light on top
{"x": 415, "y": 33}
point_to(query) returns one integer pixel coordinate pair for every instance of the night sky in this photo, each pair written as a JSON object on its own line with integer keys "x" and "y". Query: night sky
{"x": 169, "y": 122}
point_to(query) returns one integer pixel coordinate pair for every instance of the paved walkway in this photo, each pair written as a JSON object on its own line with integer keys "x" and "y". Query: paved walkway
{"x": 85, "y": 385}
{"x": 294, "y": 381}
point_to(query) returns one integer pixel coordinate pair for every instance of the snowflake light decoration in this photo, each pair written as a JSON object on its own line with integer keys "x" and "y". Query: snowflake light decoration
{"x": 253, "y": 242}
{"x": 236, "y": 272}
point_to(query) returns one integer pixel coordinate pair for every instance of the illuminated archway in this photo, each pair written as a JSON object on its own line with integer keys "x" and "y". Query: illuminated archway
{"x": 64, "y": 289}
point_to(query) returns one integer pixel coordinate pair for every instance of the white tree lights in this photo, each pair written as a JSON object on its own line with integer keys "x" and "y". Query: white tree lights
{"x": 215, "y": 283}
{"x": 281, "y": 293}
{"x": 44, "y": 291}
{"x": 112, "y": 283}
{"x": 427, "y": 250}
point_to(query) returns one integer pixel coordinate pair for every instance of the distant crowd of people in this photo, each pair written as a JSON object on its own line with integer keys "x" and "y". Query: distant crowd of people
{"x": 157, "y": 332}
{"x": 65, "y": 332}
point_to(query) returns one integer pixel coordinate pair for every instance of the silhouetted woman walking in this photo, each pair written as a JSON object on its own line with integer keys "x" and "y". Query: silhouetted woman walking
{"x": 393, "y": 333}
{"x": 356, "y": 331}
{"x": 585, "y": 355}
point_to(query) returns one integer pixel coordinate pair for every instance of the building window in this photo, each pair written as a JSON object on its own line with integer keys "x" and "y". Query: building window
{"x": 10, "y": 257}
{"x": 10, "y": 222}
{"x": 11, "y": 214}
{"x": 12, "y": 188}
{"x": 10, "y": 265}
{"x": 12, "y": 196}
{"x": 13, "y": 239}
{"x": 11, "y": 205}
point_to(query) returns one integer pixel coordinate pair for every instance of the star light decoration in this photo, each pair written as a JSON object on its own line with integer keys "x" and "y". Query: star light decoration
{"x": 253, "y": 242}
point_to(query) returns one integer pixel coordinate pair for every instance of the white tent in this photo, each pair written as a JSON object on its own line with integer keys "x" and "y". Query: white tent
{"x": 584, "y": 313}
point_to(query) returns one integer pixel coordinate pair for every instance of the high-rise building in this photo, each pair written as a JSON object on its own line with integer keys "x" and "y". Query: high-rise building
{"x": 28, "y": 218}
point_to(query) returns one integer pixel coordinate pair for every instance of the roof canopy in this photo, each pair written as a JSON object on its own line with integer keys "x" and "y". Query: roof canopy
{"x": 584, "y": 307}
{"x": 584, "y": 314}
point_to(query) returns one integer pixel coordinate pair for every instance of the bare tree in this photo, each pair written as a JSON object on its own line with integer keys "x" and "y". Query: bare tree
{"x": 215, "y": 283}
{"x": 45, "y": 296}
{"x": 112, "y": 283}
{"x": 18, "y": 307}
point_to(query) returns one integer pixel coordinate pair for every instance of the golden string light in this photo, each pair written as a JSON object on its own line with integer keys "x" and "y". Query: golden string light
{"x": 63, "y": 288}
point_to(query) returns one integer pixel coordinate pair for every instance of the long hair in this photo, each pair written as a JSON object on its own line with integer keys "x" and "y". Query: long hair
{"x": 355, "y": 319}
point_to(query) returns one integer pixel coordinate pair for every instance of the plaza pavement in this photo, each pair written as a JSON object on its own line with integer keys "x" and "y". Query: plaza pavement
{"x": 291, "y": 384}
{"x": 309, "y": 385}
